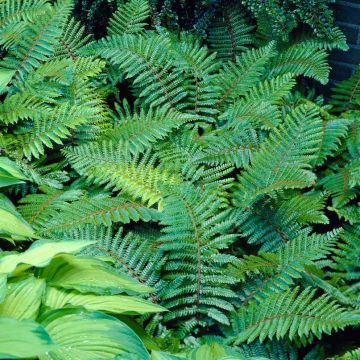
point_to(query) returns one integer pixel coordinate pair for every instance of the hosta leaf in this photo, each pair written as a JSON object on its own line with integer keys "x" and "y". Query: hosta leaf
{"x": 10, "y": 173}
{"x": 5, "y": 77}
{"x": 90, "y": 336}
{"x": 3, "y": 282}
{"x": 39, "y": 254}
{"x": 23, "y": 299}
{"x": 86, "y": 274}
{"x": 117, "y": 304}
{"x": 12, "y": 225}
{"x": 21, "y": 339}
{"x": 159, "y": 355}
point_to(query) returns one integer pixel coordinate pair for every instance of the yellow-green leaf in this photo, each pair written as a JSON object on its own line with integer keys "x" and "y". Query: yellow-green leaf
{"x": 23, "y": 299}
{"x": 23, "y": 339}
{"x": 88, "y": 336}
{"x": 5, "y": 77}
{"x": 10, "y": 173}
{"x": 116, "y": 304}
{"x": 86, "y": 274}
{"x": 39, "y": 254}
{"x": 12, "y": 224}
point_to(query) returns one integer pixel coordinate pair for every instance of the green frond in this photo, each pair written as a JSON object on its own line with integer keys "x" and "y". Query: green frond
{"x": 346, "y": 94}
{"x": 195, "y": 231}
{"x": 272, "y": 90}
{"x": 45, "y": 131}
{"x": 147, "y": 61}
{"x": 282, "y": 161}
{"x": 109, "y": 163}
{"x": 228, "y": 147}
{"x": 71, "y": 41}
{"x": 349, "y": 213}
{"x": 138, "y": 130}
{"x": 237, "y": 78}
{"x": 229, "y": 34}
{"x": 99, "y": 210}
{"x": 272, "y": 223}
{"x": 131, "y": 254}
{"x": 39, "y": 43}
{"x": 129, "y": 18}
{"x": 293, "y": 314}
{"x": 200, "y": 68}
{"x": 346, "y": 257}
{"x": 342, "y": 183}
{"x": 334, "y": 132}
{"x": 349, "y": 355}
{"x": 301, "y": 59}
{"x": 38, "y": 209}
{"x": 13, "y": 11}
{"x": 259, "y": 114}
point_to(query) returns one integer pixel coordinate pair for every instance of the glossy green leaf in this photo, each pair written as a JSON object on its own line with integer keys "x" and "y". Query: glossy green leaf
{"x": 3, "y": 289}
{"x": 39, "y": 254}
{"x": 5, "y": 77}
{"x": 159, "y": 355}
{"x": 90, "y": 336}
{"x": 117, "y": 304}
{"x": 86, "y": 274}
{"x": 23, "y": 338}
{"x": 12, "y": 224}
{"x": 10, "y": 173}
{"x": 23, "y": 299}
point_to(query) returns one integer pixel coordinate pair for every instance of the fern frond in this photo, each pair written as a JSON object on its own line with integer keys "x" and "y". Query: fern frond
{"x": 71, "y": 41}
{"x": 229, "y": 34}
{"x": 40, "y": 40}
{"x": 140, "y": 129}
{"x": 107, "y": 163}
{"x": 199, "y": 68}
{"x": 129, "y": 18}
{"x": 38, "y": 209}
{"x": 349, "y": 213}
{"x": 13, "y": 11}
{"x": 272, "y": 90}
{"x": 147, "y": 61}
{"x": 259, "y": 114}
{"x": 334, "y": 132}
{"x": 342, "y": 183}
{"x": 345, "y": 94}
{"x": 228, "y": 147}
{"x": 301, "y": 59}
{"x": 283, "y": 160}
{"x": 235, "y": 79}
{"x": 346, "y": 257}
{"x": 98, "y": 210}
{"x": 294, "y": 314}
{"x": 195, "y": 232}
{"x": 131, "y": 253}
{"x": 54, "y": 128}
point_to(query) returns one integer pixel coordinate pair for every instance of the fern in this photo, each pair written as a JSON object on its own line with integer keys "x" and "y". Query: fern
{"x": 296, "y": 141}
{"x": 290, "y": 313}
{"x": 143, "y": 58}
{"x": 194, "y": 262}
{"x": 197, "y": 170}
{"x": 129, "y": 18}
{"x": 106, "y": 163}
{"x": 229, "y": 34}
{"x": 100, "y": 209}
{"x": 346, "y": 93}
{"x": 39, "y": 43}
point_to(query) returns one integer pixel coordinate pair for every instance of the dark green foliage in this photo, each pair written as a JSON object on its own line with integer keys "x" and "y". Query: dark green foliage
{"x": 193, "y": 170}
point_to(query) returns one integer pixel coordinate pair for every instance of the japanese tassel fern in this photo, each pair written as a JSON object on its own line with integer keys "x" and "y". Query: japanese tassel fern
{"x": 212, "y": 208}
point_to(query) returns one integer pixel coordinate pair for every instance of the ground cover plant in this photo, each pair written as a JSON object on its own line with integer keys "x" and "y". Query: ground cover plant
{"x": 168, "y": 196}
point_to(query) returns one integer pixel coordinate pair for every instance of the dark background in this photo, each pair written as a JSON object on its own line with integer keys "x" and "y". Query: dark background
{"x": 347, "y": 15}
